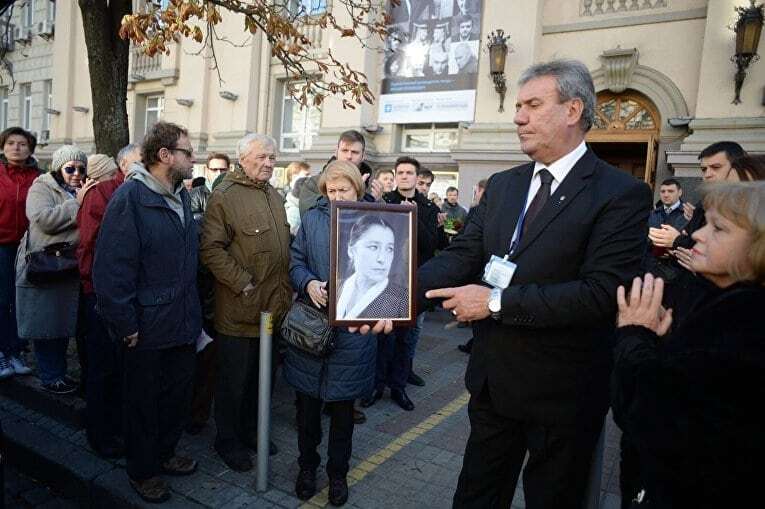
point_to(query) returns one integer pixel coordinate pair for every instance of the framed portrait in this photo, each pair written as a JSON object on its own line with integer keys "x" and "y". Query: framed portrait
{"x": 373, "y": 259}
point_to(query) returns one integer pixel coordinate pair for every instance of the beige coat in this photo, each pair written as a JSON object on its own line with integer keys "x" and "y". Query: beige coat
{"x": 246, "y": 239}
{"x": 47, "y": 311}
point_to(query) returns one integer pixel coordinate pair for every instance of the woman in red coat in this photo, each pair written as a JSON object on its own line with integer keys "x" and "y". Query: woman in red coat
{"x": 18, "y": 169}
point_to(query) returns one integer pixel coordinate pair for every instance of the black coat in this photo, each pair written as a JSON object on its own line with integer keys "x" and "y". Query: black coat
{"x": 692, "y": 404}
{"x": 429, "y": 236}
{"x": 548, "y": 360}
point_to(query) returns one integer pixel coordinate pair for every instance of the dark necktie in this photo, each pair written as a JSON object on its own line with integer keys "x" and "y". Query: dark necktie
{"x": 543, "y": 193}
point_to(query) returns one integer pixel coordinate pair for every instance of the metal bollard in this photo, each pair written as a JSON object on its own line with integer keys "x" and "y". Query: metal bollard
{"x": 264, "y": 399}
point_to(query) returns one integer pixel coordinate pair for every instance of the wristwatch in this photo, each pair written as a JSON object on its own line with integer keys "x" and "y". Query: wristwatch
{"x": 495, "y": 303}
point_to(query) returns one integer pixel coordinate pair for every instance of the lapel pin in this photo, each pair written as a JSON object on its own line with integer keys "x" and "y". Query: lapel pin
{"x": 562, "y": 198}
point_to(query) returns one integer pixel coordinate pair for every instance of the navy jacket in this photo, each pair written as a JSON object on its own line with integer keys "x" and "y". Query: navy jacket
{"x": 349, "y": 372}
{"x": 145, "y": 269}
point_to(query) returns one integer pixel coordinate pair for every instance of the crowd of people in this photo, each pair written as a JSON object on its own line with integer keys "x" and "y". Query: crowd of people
{"x": 162, "y": 285}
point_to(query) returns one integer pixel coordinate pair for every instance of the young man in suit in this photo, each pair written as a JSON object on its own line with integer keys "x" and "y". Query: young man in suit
{"x": 539, "y": 372}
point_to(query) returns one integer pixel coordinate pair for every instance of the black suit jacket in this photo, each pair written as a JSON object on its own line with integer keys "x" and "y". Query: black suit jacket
{"x": 548, "y": 360}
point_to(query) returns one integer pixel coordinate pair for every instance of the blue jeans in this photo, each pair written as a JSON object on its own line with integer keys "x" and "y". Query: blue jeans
{"x": 10, "y": 345}
{"x": 51, "y": 359}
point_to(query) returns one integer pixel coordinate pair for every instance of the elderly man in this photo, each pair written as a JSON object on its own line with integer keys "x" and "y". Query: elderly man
{"x": 245, "y": 244}
{"x": 554, "y": 238}
{"x": 144, "y": 277}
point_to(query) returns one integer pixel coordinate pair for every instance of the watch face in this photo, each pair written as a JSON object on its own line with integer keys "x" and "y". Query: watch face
{"x": 494, "y": 304}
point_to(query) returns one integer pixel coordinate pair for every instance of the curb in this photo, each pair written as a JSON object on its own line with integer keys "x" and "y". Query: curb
{"x": 26, "y": 391}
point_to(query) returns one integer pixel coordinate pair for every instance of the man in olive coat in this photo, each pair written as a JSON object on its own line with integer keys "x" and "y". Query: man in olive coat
{"x": 245, "y": 244}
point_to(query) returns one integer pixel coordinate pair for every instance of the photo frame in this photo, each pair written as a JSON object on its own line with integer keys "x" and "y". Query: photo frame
{"x": 373, "y": 261}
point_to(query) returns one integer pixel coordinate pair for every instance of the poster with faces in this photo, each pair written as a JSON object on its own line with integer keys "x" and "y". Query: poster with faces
{"x": 432, "y": 50}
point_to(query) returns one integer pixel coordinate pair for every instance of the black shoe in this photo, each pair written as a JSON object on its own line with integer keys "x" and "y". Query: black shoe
{"x": 467, "y": 347}
{"x": 236, "y": 459}
{"x": 338, "y": 491}
{"x": 252, "y": 443}
{"x": 358, "y": 416}
{"x": 401, "y": 399}
{"x": 415, "y": 379}
{"x": 305, "y": 485}
{"x": 373, "y": 398}
{"x": 60, "y": 387}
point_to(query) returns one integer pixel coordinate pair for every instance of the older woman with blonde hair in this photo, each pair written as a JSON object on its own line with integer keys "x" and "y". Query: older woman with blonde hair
{"x": 692, "y": 401}
{"x": 345, "y": 374}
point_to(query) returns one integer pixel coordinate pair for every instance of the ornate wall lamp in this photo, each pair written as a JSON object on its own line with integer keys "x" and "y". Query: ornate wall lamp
{"x": 497, "y": 56}
{"x": 748, "y": 28}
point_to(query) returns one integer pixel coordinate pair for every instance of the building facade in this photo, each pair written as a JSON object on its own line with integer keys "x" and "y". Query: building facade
{"x": 662, "y": 70}
{"x": 26, "y": 76}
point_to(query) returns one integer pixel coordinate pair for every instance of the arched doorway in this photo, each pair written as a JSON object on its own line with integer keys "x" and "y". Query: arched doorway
{"x": 626, "y": 132}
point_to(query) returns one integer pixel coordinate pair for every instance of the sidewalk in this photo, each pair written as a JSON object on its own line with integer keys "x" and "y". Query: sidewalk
{"x": 400, "y": 459}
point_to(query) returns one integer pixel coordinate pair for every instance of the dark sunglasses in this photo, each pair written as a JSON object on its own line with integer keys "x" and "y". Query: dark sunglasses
{"x": 188, "y": 153}
{"x": 71, "y": 169}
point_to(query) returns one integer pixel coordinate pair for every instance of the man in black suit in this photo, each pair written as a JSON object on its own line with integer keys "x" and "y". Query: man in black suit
{"x": 539, "y": 372}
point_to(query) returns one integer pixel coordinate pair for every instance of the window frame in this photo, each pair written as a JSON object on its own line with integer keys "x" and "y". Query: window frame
{"x": 304, "y": 136}
{"x": 26, "y": 106}
{"x": 4, "y": 106}
{"x": 297, "y": 7}
{"x": 29, "y": 14}
{"x": 160, "y": 109}
{"x": 432, "y": 130}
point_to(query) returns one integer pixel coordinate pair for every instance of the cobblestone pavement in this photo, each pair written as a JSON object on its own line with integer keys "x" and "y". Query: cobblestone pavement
{"x": 23, "y": 492}
{"x": 400, "y": 459}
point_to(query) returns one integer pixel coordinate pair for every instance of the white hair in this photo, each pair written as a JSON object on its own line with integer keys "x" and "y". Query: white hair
{"x": 244, "y": 146}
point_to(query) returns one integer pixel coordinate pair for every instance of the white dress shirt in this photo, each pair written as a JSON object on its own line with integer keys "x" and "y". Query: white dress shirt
{"x": 559, "y": 170}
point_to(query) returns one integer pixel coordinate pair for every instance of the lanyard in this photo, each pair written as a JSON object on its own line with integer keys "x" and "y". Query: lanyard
{"x": 518, "y": 233}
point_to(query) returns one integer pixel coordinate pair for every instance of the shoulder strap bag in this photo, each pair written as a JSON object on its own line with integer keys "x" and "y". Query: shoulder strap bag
{"x": 307, "y": 329}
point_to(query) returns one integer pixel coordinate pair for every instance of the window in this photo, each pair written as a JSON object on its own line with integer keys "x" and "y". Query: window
{"x": 307, "y": 7}
{"x": 26, "y": 106}
{"x": 29, "y": 13}
{"x": 429, "y": 138}
{"x": 4, "y": 107}
{"x": 51, "y": 11}
{"x": 155, "y": 105}
{"x": 298, "y": 126}
{"x": 48, "y": 101}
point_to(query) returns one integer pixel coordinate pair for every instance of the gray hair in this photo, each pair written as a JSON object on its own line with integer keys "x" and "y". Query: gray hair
{"x": 243, "y": 147}
{"x": 574, "y": 82}
{"x": 124, "y": 151}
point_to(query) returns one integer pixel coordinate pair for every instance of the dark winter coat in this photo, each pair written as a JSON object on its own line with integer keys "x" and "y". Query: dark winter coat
{"x": 349, "y": 372}
{"x": 429, "y": 236}
{"x": 145, "y": 268}
{"x": 692, "y": 403}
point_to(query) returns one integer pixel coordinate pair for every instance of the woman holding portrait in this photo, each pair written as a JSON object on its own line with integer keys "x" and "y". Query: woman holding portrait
{"x": 691, "y": 401}
{"x": 345, "y": 374}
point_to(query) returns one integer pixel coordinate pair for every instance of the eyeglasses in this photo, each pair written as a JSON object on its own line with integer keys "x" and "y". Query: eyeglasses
{"x": 188, "y": 152}
{"x": 71, "y": 169}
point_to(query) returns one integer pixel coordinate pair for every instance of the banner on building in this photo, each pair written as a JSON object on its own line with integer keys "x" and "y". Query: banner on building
{"x": 431, "y": 62}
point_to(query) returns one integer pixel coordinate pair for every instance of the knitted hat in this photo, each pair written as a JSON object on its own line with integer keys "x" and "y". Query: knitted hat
{"x": 67, "y": 153}
{"x": 100, "y": 165}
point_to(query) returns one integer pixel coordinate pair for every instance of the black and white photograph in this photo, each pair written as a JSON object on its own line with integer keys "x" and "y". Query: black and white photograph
{"x": 372, "y": 263}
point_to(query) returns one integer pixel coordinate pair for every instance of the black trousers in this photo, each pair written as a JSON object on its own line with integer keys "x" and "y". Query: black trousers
{"x": 340, "y": 443}
{"x": 157, "y": 396}
{"x": 104, "y": 381}
{"x": 204, "y": 384}
{"x": 236, "y": 390}
{"x": 392, "y": 368}
{"x": 555, "y": 476}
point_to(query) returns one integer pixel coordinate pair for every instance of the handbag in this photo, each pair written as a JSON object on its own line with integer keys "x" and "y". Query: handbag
{"x": 53, "y": 263}
{"x": 307, "y": 329}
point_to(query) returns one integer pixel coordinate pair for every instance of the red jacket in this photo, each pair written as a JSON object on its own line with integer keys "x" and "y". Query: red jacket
{"x": 15, "y": 182}
{"x": 89, "y": 219}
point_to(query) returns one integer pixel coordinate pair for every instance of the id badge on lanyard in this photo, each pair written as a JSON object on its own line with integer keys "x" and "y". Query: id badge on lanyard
{"x": 499, "y": 272}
